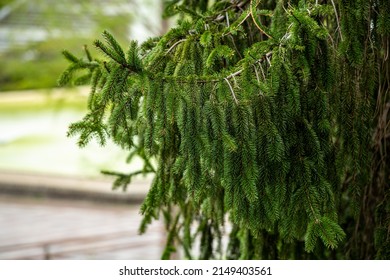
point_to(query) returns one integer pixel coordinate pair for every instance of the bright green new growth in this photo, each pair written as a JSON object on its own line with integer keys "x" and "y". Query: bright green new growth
{"x": 259, "y": 115}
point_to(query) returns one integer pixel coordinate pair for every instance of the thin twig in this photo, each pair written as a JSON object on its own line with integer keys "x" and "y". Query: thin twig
{"x": 269, "y": 61}
{"x": 235, "y": 82}
{"x": 231, "y": 89}
{"x": 227, "y": 19}
{"x": 235, "y": 47}
{"x": 234, "y": 74}
{"x": 257, "y": 74}
{"x": 258, "y": 78}
{"x": 255, "y": 22}
{"x": 337, "y": 19}
{"x": 262, "y": 71}
{"x": 221, "y": 16}
{"x": 258, "y": 61}
{"x": 238, "y": 24}
{"x": 174, "y": 45}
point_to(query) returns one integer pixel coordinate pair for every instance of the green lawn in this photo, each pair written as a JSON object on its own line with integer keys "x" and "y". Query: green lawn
{"x": 33, "y": 138}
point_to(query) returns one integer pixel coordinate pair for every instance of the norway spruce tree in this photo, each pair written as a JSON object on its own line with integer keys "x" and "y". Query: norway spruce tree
{"x": 266, "y": 121}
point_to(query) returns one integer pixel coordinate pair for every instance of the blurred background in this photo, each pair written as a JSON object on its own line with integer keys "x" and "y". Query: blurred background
{"x": 54, "y": 202}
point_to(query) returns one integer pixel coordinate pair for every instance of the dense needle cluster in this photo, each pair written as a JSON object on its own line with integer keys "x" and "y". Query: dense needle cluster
{"x": 257, "y": 120}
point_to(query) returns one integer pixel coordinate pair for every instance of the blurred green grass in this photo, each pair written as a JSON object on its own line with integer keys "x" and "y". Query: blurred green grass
{"x": 34, "y": 125}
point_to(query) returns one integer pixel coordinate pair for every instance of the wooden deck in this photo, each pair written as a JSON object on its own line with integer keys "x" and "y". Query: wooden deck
{"x": 41, "y": 228}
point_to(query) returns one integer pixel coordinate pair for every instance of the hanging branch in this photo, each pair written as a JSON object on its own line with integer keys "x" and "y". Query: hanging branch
{"x": 218, "y": 157}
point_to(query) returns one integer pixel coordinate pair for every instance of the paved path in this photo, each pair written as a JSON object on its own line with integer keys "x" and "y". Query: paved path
{"x": 33, "y": 228}
{"x": 34, "y": 184}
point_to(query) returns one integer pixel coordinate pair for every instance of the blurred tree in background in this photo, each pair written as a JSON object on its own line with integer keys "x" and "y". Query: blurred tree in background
{"x": 268, "y": 119}
{"x": 4, "y": 3}
{"x": 31, "y": 32}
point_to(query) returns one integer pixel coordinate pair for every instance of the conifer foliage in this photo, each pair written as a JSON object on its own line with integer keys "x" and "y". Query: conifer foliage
{"x": 263, "y": 120}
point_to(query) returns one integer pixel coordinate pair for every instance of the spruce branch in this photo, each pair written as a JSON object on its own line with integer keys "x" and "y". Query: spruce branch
{"x": 87, "y": 52}
{"x": 110, "y": 52}
{"x": 113, "y": 44}
{"x": 252, "y": 157}
{"x": 69, "y": 56}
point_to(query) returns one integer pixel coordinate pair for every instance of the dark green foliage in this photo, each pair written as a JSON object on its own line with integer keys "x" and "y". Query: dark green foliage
{"x": 260, "y": 116}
